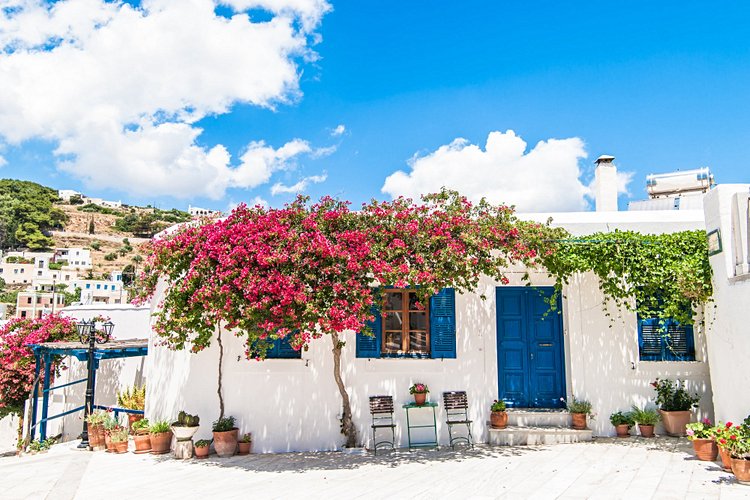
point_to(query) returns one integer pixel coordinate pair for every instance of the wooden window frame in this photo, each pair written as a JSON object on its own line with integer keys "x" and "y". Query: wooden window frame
{"x": 405, "y": 330}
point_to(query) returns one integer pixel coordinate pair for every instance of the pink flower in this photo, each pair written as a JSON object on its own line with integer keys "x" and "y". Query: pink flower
{"x": 690, "y": 432}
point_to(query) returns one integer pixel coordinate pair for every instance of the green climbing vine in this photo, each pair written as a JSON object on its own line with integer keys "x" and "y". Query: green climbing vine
{"x": 668, "y": 275}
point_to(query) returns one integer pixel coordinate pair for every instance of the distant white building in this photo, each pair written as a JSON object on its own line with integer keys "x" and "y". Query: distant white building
{"x": 202, "y": 212}
{"x": 76, "y": 257}
{"x": 67, "y": 194}
{"x": 18, "y": 268}
{"x": 109, "y": 291}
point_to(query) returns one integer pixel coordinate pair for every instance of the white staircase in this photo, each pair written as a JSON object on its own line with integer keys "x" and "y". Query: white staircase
{"x": 537, "y": 427}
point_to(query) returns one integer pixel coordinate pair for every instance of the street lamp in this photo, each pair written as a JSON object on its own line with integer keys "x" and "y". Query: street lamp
{"x": 87, "y": 333}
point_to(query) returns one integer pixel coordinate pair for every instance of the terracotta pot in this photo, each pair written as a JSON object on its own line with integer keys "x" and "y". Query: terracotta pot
{"x": 741, "y": 469}
{"x": 244, "y": 448}
{"x": 726, "y": 459}
{"x": 647, "y": 431}
{"x": 202, "y": 452}
{"x": 623, "y": 430}
{"x": 120, "y": 447}
{"x": 675, "y": 422}
{"x": 142, "y": 443}
{"x": 109, "y": 443}
{"x": 225, "y": 443}
{"x": 96, "y": 436}
{"x": 100, "y": 436}
{"x": 705, "y": 449}
{"x": 420, "y": 398}
{"x": 579, "y": 421}
{"x": 161, "y": 442}
{"x": 499, "y": 419}
{"x": 133, "y": 418}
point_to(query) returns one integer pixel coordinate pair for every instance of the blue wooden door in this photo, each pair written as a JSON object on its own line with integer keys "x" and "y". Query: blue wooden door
{"x": 530, "y": 359}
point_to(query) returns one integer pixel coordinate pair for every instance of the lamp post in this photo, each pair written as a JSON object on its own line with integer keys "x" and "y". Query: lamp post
{"x": 87, "y": 334}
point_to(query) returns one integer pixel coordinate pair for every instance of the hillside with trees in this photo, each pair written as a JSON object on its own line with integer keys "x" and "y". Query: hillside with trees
{"x": 28, "y": 215}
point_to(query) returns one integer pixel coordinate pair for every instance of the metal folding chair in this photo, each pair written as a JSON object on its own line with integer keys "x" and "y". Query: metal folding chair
{"x": 457, "y": 410}
{"x": 381, "y": 409}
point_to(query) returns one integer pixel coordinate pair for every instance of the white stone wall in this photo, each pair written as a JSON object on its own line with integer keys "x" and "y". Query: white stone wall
{"x": 292, "y": 405}
{"x": 729, "y": 341}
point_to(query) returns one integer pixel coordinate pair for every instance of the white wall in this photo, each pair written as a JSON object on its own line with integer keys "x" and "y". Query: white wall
{"x": 293, "y": 405}
{"x": 729, "y": 341}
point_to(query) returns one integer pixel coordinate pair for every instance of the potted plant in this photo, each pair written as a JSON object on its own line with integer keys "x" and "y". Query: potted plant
{"x": 185, "y": 427}
{"x": 674, "y": 404}
{"x": 722, "y": 433}
{"x": 498, "y": 415}
{"x": 646, "y": 420}
{"x": 141, "y": 437}
{"x": 702, "y": 436}
{"x": 95, "y": 426}
{"x": 622, "y": 422}
{"x": 245, "y": 444}
{"x": 133, "y": 398}
{"x": 161, "y": 437}
{"x": 738, "y": 446}
{"x": 109, "y": 424}
{"x": 579, "y": 409}
{"x": 202, "y": 448}
{"x": 225, "y": 436}
{"x": 119, "y": 438}
{"x": 420, "y": 393}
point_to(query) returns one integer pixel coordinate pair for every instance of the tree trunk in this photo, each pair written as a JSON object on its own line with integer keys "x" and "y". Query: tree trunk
{"x": 347, "y": 424}
{"x": 219, "y": 389}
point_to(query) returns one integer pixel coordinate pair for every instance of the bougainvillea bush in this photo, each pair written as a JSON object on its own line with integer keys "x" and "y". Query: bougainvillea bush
{"x": 17, "y": 362}
{"x": 307, "y": 270}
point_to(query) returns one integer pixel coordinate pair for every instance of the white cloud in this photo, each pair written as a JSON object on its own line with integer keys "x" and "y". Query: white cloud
{"x": 546, "y": 178}
{"x": 339, "y": 130}
{"x": 122, "y": 87}
{"x": 298, "y": 187}
{"x": 3, "y": 161}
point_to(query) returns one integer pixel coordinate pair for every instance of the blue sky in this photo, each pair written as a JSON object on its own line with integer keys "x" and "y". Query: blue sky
{"x": 659, "y": 85}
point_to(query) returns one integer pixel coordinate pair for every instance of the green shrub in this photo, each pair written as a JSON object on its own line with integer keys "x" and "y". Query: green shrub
{"x": 96, "y": 245}
{"x": 140, "y": 425}
{"x": 620, "y": 418}
{"x": 645, "y": 416}
{"x": 579, "y": 406}
{"x": 202, "y": 443}
{"x": 223, "y": 424}
{"x": 110, "y": 256}
{"x": 672, "y": 396}
{"x": 159, "y": 426}
{"x": 497, "y": 406}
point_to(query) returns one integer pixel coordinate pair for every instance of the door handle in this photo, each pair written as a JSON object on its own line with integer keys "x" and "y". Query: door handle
{"x": 532, "y": 355}
{"x": 545, "y": 345}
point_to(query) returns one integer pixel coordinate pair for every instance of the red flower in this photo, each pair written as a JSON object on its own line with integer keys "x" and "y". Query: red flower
{"x": 733, "y": 437}
{"x": 723, "y": 441}
{"x": 729, "y": 424}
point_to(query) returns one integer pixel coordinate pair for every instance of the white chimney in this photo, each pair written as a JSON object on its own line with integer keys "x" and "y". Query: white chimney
{"x": 605, "y": 184}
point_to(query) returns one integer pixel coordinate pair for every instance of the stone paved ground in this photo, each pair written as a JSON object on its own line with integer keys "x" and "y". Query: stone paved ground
{"x": 632, "y": 468}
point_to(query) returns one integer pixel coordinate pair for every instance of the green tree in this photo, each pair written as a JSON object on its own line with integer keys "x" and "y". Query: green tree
{"x": 27, "y": 214}
{"x": 92, "y": 229}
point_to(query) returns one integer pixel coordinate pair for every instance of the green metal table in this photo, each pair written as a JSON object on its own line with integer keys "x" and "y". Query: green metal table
{"x": 433, "y": 426}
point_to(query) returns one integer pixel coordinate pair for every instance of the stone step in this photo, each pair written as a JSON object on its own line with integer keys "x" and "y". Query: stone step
{"x": 538, "y": 418}
{"x": 520, "y": 436}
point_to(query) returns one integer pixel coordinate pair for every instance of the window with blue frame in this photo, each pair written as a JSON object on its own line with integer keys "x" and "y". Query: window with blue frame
{"x": 402, "y": 329}
{"x": 281, "y": 349}
{"x": 665, "y": 340}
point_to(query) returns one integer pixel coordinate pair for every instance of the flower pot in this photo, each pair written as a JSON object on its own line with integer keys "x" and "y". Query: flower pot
{"x": 244, "y": 448}
{"x": 647, "y": 431}
{"x": 420, "y": 398}
{"x": 202, "y": 452}
{"x": 100, "y": 436}
{"x": 161, "y": 442}
{"x": 142, "y": 443}
{"x": 579, "y": 421}
{"x": 675, "y": 422}
{"x": 623, "y": 430}
{"x": 726, "y": 459}
{"x": 120, "y": 447}
{"x": 705, "y": 449}
{"x": 225, "y": 443}
{"x": 108, "y": 442}
{"x": 182, "y": 433}
{"x": 499, "y": 419}
{"x": 741, "y": 469}
{"x": 96, "y": 436}
{"x": 133, "y": 418}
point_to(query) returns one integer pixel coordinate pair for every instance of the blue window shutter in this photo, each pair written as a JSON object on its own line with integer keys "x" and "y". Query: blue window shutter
{"x": 650, "y": 339}
{"x": 369, "y": 347}
{"x": 283, "y": 349}
{"x": 443, "y": 324}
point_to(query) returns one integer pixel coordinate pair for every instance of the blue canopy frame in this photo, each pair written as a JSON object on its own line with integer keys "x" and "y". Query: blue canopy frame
{"x": 45, "y": 351}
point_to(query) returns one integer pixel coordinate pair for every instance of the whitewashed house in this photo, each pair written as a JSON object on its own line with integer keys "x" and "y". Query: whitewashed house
{"x": 503, "y": 347}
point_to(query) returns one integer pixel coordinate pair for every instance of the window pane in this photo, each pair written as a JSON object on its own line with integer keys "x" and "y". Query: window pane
{"x": 393, "y": 341}
{"x": 418, "y": 341}
{"x": 393, "y": 321}
{"x": 393, "y": 301}
{"x": 418, "y": 321}
{"x": 413, "y": 302}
